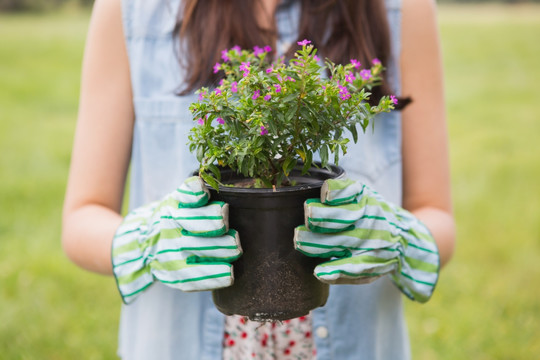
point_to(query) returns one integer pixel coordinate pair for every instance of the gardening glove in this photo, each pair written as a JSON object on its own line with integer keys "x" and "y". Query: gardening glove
{"x": 182, "y": 240}
{"x": 367, "y": 237}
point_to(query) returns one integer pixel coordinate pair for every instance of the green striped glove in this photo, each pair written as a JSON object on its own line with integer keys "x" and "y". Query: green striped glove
{"x": 183, "y": 241}
{"x": 367, "y": 237}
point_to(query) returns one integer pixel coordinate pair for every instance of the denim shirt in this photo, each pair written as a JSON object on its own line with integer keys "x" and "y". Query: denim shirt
{"x": 358, "y": 321}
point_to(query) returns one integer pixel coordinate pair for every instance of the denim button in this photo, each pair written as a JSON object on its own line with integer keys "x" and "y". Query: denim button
{"x": 322, "y": 332}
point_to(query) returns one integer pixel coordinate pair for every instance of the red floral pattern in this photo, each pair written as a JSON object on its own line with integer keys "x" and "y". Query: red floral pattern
{"x": 287, "y": 340}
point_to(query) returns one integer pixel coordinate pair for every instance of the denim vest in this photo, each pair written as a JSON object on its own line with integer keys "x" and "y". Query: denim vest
{"x": 358, "y": 321}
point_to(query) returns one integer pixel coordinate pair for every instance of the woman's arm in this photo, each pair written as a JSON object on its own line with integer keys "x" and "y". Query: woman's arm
{"x": 102, "y": 146}
{"x": 426, "y": 174}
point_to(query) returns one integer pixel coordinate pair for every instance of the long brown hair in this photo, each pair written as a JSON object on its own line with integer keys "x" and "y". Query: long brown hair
{"x": 341, "y": 29}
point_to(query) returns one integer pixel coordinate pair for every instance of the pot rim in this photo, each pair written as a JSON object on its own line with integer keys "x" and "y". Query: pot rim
{"x": 335, "y": 172}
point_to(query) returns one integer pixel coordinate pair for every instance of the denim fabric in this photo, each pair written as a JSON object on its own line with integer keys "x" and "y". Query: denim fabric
{"x": 358, "y": 322}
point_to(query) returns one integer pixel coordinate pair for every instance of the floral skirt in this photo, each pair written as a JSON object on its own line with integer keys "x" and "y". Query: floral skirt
{"x": 287, "y": 340}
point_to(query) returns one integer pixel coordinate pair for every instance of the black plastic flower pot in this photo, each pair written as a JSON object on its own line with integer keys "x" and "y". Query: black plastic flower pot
{"x": 273, "y": 281}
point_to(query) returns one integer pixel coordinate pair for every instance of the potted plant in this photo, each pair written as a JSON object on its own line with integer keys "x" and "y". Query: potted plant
{"x": 256, "y": 137}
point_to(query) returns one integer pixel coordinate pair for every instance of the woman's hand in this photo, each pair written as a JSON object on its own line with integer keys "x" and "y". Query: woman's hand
{"x": 367, "y": 237}
{"x": 182, "y": 241}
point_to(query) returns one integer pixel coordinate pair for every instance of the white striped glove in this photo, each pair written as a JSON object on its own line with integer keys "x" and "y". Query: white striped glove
{"x": 181, "y": 241}
{"x": 367, "y": 237}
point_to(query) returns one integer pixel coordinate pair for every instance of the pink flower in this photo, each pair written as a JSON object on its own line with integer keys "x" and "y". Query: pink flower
{"x": 267, "y": 97}
{"x": 270, "y": 69}
{"x": 217, "y": 91}
{"x": 245, "y": 68}
{"x": 304, "y": 42}
{"x": 217, "y": 67}
{"x": 263, "y": 130}
{"x": 394, "y": 99}
{"x": 234, "y": 87}
{"x": 365, "y": 74}
{"x": 316, "y": 58}
{"x": 200, "y": 121}
{"x": 220, "y": 121}
{"x": 277, "y": 87}
{"x": 344, "y": 93}
{"x": 349, "y": 77}
{"x": 237, "y": 48}
{"x": 256, "y": 94}
{"x": 267, "y": 48}
{"x": 356, "y": 63}
{"x": 290, "y": 79}
{"x": 202, "y": 95}
{"x": 224, "y": 55}
{"x": 376, "y": 61}
{"x": 257, "y": 51}
{"x": 221, "y": 82}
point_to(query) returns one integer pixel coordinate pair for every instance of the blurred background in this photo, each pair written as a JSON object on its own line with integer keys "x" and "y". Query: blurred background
{"x": 487, "y": 305}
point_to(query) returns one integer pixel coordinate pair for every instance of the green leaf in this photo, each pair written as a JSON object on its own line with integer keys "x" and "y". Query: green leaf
{"x": 324, "y": 155}
{"x": 291, "y": 112}
{"x": 288, "y": 165}
{"x": 290, "y": 98}
{"x": 302, "y": 154}
{"x": 259, "y": 141}
{"x": 354, "y": 133}
{"x": 214, "y": 169}
{"x": 209, "y": 180}
{"x": 308, "y": 162}
{"x": 200, "y": 154}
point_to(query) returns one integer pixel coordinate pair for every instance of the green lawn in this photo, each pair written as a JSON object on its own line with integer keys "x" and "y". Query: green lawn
{"x": 486, "y": 306}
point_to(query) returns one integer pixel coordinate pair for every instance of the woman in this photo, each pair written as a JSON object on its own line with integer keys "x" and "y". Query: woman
{"x": 137, "y": 84}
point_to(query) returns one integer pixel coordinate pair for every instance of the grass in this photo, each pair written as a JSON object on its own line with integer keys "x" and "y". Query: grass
{"x": 486, "y": 306}
{"x": 49, "y": 309}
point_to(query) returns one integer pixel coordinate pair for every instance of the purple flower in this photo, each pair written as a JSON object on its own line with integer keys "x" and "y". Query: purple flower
{"x": 237, "y": 48}
{"x": 267, "y": 97}
{"x": 234, "y": 87}
{"x": 365, "y": 74}
{"x": 270, "y": 69}
{"x": 356, "y": 63}
{"x": 202, "y": 95}
{"x": 344, "y": 92}
{"x": 220, "y": 121}
{"x": 200, "y": 121}
{"x": 290, "y": 79}
{"x": 345, "y": 96}
{"x": 267, "y": 48}
{"x": 218, "y": 91}
{"x": 245, "y": 68}
{"x": 349, "y": 77}
{"x": 217, "y": 67}
{"x": 257, "y": 51}
{"x": 224, "y": 55}
{"x": 316, "y": 58}
{"x": 263, "y": 130}
{"x": 277, "y": 87}
{"x": 256, "y": 94}
{"x": 394, "y": 99}
{"x": 221, "y": 82}
{"x": 304, "y": 42}
{"x": 376, "y": 61}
